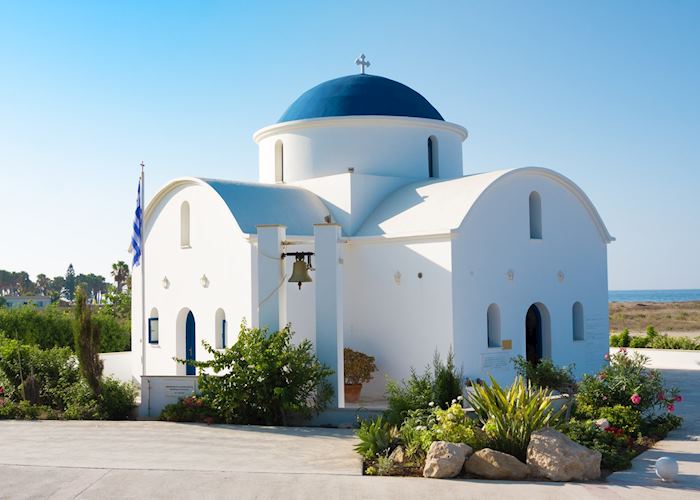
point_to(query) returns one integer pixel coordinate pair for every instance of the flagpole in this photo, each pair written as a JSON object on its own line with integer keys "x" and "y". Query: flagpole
{"x": 143, "y": 273}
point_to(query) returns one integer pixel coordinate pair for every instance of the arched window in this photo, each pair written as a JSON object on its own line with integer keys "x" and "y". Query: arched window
{"x": 279, "y": 161}
{"x": 577, "y": 321}
{"x": 220, "y": 329}
{"x": 535, "y": 216}
{"x": 153, "y": 327}
{"x": 493, "y": 325}
{"x": 432, "y": 156}
{"x": 185, "y": 225}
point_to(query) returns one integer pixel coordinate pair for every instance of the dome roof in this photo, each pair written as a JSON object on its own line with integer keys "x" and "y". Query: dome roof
{"x": 360, "y": 94}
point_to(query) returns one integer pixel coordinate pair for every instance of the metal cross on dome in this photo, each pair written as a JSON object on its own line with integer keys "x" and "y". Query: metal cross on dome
{"x": 362, "y": 62}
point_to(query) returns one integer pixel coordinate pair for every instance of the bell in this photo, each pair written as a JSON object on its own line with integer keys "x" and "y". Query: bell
{"x": 300, "y": 273}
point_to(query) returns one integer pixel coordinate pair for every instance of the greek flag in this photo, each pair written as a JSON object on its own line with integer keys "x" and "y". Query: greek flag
{"x": 135, "y": 246}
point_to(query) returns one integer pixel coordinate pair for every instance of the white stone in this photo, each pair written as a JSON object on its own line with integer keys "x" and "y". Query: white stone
{"x": 554, "y": 456}
{"x": 445, "y": 460}
{"x": 667, "y": 468}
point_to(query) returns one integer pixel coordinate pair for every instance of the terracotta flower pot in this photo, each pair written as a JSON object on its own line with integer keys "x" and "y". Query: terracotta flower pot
{"x": 352, "y": 393}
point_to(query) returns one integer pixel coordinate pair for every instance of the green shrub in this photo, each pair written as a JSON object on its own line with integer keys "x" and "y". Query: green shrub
{"x": 509, "y": 416}
{"x": 50, "y": 327}
{"x": 441, "y": 386}
{"x": 54, "y": 372}
{"x": 622, "y": 417}
{"x": 376, "y": 437}
{"x": 627, "y": 382}
{"x": 264, "y": 379}
{"x": 115, "y": 402}
{"x": 190, "y": 409}
{"x": 413, "y": 394}
{"x": 545, "y": 374}
{"x": 23, "y": 410}
{"x": 624, "y": 338}
{"x": 614, "y": 446}
{"x": 614, "y": 340}
{"x": 452, "y": 425}
{"x": 447, "y": 384}
{"x": 666, "y": 342}
{"x": 658, "y": 426}
{"x": 639, "y": 342}
{"x": 53, "y": 327}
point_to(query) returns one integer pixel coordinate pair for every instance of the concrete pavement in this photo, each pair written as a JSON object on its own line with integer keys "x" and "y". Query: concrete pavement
{"x": 103, "y": 460}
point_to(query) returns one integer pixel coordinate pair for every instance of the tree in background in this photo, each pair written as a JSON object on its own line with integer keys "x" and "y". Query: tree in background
{"x": 87, "y": 343}
{"x": 70, "y": 284}
{"x": 43, "y": 283}
{"x": 120, "y": 273}
{"x": 95, "y": 286}
{"x": 56, "y": 288}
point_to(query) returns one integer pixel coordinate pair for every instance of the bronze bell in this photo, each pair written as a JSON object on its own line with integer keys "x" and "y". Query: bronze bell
{"x": 300, "y": 272}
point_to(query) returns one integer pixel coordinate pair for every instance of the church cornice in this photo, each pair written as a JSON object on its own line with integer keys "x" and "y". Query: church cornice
{"x": 360, "y": 121}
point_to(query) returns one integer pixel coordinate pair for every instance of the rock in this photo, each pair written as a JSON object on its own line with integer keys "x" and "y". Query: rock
{"x": 602, "y": 423}
{"x": 397, "y": 456}
{"x": 493, "y": 464}
{"x": 554, "y": 456}
{"x": 445, "y": 459}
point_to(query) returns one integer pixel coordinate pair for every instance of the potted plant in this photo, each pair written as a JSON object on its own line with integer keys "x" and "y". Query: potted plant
{"x": 358, "y": 370}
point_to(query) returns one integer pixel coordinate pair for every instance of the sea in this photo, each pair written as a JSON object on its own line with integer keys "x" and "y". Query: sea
{"x": 653, "y": 295}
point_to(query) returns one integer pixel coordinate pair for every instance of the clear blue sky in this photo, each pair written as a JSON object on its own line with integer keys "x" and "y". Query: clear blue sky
{"x": 605, "y": 92}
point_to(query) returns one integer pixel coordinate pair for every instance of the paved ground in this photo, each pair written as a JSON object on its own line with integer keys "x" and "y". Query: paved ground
{"x": 146, "y": 460}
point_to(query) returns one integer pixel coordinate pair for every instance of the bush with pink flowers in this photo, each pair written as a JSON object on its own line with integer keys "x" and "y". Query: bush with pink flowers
{"x": 626, "y": 381}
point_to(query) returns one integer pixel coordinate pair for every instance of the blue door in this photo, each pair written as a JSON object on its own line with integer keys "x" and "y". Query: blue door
{"x": 190, "y": 342}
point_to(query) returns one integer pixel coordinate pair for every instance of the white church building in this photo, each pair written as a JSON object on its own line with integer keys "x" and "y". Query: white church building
{"x": 364, "y": 178}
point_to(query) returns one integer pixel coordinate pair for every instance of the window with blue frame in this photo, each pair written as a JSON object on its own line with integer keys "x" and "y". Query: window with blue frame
{"x": 153, "y": 330}
{"x": 220, "y": 322}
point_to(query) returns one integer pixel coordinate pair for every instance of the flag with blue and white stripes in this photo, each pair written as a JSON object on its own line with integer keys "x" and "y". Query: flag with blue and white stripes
{"x": 135, "y": 246}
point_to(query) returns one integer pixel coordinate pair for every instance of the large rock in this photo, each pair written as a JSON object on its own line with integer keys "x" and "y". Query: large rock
{"x": 554, "y": 456}
{"x": 493, "y": 464}
{"x": 445, "y": 459}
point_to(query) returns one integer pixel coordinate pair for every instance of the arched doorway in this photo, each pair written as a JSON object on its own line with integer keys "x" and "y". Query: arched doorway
{"x": 190, "y": 346}
{"x": 533, "y": 335}
{"x": 538, "y": 334}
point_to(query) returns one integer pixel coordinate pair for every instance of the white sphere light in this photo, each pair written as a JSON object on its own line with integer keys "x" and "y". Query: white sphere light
{"x": 667, "y": 469}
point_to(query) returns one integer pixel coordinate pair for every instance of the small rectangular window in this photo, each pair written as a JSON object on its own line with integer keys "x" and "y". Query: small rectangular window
{"x": 223, "y": 334}
{"x": 152, "y": 330}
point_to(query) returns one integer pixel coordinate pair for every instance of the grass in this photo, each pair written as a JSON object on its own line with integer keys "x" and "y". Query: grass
{"x": 674, "y": 318}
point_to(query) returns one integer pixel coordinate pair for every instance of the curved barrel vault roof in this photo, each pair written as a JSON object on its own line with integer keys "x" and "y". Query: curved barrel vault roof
{"x": 252, "y": 204}
{"x": 435, "y": 206}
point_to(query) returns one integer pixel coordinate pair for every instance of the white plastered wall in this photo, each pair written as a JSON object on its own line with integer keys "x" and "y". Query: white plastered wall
{"x": 494, "y": 240}
{"x": 217, "y": 249}
{"x": 373, "y": 145}
{"x": 393, "y": 314}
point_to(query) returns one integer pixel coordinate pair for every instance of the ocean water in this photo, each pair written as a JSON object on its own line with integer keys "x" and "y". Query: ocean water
{"x": 653, "y": 295}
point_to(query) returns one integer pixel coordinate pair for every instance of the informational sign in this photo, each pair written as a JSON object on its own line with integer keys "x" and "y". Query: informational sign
{"x": 178, "y": 391}
{"x": 495, "y": 361}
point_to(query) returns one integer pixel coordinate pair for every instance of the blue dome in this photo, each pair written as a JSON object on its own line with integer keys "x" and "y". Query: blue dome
{"x": 358, "y": 95}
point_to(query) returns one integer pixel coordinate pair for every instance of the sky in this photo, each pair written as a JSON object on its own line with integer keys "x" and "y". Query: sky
{"x": 604, "y": 92}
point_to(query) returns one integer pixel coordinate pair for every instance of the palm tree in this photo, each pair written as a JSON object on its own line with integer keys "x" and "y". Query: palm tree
{"x": 120, "y": 273}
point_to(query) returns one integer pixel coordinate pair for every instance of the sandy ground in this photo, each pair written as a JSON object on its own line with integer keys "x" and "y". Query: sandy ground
{"x": 672, "y": 318}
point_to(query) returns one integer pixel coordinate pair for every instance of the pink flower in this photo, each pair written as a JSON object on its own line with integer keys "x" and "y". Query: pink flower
{"x": 671, "y": 407}
{"x": 661, "y": 396}
{"x": 2, "y": 390}
{"x": 623, "y": 350}
{"x": 636, "y": 399}
{"x": 679, "y": 398}
{"x": 606, "y": 357}
{"x": 601, "y": 376}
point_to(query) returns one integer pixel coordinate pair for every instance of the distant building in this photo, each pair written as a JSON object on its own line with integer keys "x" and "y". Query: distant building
{"x": 40, "y": 301}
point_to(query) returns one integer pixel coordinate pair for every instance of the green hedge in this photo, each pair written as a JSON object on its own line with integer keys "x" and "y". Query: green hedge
{"x": 53, "y": 327}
